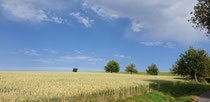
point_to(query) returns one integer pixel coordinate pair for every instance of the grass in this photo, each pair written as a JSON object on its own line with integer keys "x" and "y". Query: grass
{"x": 68, "y": 86}
{"x": 145, "y": 73}
{"x": 182, "y": 92}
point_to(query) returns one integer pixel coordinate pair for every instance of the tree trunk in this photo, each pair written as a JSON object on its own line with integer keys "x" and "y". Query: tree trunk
{"x": 195, "y": 76}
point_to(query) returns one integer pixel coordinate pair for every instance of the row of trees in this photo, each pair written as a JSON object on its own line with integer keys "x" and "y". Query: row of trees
{"x": 113, "y": 66}
{"x": 194, "y": 63}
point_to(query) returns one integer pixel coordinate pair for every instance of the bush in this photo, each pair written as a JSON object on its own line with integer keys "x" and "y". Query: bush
{"x": 112, "y": 66}
{"x": 131, "y": 68}
{"x": 153, "y": 69}
{"x": 75, "y": 69}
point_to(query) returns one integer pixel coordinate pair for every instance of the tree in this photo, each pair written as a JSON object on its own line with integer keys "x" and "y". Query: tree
{"x": 201, "y": 15}
{"x": 75, "y": 69}
{"x": 194, "y": 63}
{"x": 112, "y": 66}
{"x": 152, "y": 69}
{"x": 131, "y": 68}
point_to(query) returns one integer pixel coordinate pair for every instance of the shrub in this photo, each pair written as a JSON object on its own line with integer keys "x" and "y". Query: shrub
{"x": 112, "y": 66}
{"x": 131, "y": 68}
{"x": 75, "y": 69}
{"x": 152, "y": 69}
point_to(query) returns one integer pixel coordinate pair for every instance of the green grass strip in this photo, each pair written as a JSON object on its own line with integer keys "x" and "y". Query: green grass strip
{"x": 182, "y": 92}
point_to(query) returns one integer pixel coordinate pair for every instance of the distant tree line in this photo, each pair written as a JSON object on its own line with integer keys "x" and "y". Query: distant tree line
{"x": 113, "y": 66}
{"x": 194, "y": 63}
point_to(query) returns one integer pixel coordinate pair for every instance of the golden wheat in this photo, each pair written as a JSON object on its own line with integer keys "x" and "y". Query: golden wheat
{"x": 45, "y": 86}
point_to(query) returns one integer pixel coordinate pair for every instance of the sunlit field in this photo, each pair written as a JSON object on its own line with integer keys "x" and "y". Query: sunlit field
{"x": 64, "y": 86}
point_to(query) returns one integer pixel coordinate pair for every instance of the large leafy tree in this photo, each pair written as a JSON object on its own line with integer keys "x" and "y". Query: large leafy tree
{"x": 152, "y": 69}
{"x": 112, "y": 66}
{"x": 201, "y": 15}
{"x": 194, "y": 63}
{"x": 131, "y": 68}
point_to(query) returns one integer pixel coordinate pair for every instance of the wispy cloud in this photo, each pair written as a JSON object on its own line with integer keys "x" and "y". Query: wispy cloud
{"x": 136, "y": 26}
{"x": 84, "y": 20}
{"x": 121, "y": 56}
{"x": 170, "y": 45}
{"x": 78, "y": 51}
{"x": 155, "y": 43}
{"x": 32, "y": 10}
{"x": 104, "y": 12}
{"x": 168, "y": 22}
{"x": 50, "y": 51}
{"x": 23, "y": 10}
{"x": 70, "y": 59}
{"x": 31, "y": 52}
{"x": 56, "y": 19}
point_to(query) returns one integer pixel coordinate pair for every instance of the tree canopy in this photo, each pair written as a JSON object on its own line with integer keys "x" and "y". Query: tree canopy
{"x": 194, "y": 63}
{"x": 152, "y": 69}
{"x": 75, "y": 69}
{"x": 131, "y": 68}
{"x": 112, "y": 66}
{"x": 201, "y": 15}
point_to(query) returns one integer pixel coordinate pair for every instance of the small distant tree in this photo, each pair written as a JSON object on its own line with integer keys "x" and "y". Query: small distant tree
{"x": 131, "y": 68}
{"x": 75, "y": 69}
{"x": 112, "y": 66}
{"x": 152, "y": 69}
{"x": 194, "y": 63}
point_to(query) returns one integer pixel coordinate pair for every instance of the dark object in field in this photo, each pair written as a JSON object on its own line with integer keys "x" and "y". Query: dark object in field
{"x": 75, "y": 69}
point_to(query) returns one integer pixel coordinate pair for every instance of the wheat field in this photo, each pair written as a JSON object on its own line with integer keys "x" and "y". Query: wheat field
{"x": 46, "y": 86}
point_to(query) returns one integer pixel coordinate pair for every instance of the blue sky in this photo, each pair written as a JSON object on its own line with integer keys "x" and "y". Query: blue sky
{"x": 51, "y": 35}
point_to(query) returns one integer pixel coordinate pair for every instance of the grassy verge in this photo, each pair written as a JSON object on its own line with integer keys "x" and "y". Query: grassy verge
{"x": 145, "y": 73}
{"x": 182, "y": 92}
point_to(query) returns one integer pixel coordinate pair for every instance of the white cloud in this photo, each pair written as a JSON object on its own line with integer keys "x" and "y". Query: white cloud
{"x": 23, "y": 10}
{"x": 32, "y": 10}
{"x": 57, "y": 20}
{"x": 84, "y": 20}
{"x": 156, "y": 43}
{"x": 170, "y": 45}
{"x": 136, "y": 26}
{"x": 104, "y": 12}
{"x": 70, "y": 59}
{"x": 151, "y": 20}
{"x": 164, "y": 20}
{"x": 31, "y": 52}
{"x": 77, "y": 51}
{"x": 121, "y": 56}
{"x": 50, "y": 51}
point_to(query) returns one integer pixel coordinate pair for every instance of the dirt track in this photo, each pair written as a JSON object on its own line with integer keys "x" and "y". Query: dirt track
{"x": 204, "y": 97}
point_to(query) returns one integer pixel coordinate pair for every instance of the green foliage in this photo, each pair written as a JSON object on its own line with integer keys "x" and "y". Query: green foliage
{"x": 75, "y": 69}
{"x": 201, "y": 15}
{"x": 131, "y": 68}
{"x": 194, "y": 63}
{"x": 153, "y": 69}
{"x": 112, "y": 66}
{"x": 181, "y": 92}
{"x": 159, "y": 74}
